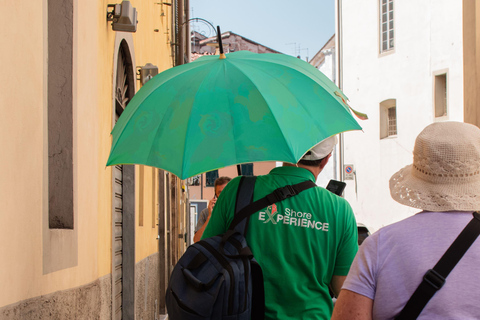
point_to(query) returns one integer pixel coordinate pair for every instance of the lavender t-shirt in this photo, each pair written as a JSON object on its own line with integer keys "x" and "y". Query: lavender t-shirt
{"x": 390, "y": 265}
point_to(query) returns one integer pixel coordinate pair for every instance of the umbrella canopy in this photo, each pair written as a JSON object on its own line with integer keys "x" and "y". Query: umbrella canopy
{"x": 216, "y": 112}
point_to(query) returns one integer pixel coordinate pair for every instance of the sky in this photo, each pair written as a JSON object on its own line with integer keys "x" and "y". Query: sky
{"x": 295, "y": 27}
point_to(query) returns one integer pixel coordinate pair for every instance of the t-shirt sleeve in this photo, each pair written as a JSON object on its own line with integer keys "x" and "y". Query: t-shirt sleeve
{"x": 201, "y": 219}
{"x": 361, "y": 278}
{"x": 348, "y": 245}
{"x": 223, "y": 211}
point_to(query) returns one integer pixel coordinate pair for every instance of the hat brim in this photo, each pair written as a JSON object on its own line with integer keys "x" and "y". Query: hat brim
{"x": 413, "y": 191}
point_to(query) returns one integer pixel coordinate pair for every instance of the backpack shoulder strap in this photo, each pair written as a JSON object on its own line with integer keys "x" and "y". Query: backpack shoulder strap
{"x": 244, "y": 198}
{"x": 277, "y": 195}
{"x": 434, "y": 279}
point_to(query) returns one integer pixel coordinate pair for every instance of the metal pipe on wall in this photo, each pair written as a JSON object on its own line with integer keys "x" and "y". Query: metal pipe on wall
{"x": 338, "y": 54}
{"x": 180, "y": 37}
{"x": 187, "y": 31}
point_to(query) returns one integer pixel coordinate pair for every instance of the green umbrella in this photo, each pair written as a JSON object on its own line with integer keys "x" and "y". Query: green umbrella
{"x": 230, "y": 109}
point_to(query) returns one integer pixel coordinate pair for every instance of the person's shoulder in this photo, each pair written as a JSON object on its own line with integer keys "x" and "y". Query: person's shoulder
{"x": 328, "y": 195}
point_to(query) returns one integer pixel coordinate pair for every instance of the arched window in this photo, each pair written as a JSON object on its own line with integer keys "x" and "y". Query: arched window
{"x": 388, "y": 118}
{"x": 123, "y": 209}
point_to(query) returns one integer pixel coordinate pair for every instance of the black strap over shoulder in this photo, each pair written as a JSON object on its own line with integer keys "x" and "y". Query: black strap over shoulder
{"x": 244, "y": 198}
{"x": 434, "y": 279}
{"x": 276, "y": 196}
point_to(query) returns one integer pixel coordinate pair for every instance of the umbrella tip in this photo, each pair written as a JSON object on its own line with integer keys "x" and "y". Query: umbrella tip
{"x": 222, "y": 56}
{"x": 219, "y": 39}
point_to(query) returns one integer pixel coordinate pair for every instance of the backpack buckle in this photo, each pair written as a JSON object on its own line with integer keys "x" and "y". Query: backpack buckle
{"x": 285, "y": 192}
{"x": 434, "y": 279}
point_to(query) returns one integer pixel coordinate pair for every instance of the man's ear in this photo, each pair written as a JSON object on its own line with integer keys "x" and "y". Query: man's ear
{"x": 324, "y": 161}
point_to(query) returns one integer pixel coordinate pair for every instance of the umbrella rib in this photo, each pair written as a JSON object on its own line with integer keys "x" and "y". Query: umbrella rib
{"x": 312, "y": 72}
{"x": 322, "y": 134}
{"x": 184, "y": 160}
{"x": 273, "y": 114}
{"x": 149, "y": 88}
{"x": 198, "y": 64}
{"x": 315, "y": 77}
{"x": 230, "y": 105}
{"x": 307, "y": 69}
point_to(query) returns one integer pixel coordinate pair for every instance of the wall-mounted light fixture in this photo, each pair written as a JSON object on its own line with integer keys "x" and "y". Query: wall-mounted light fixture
{"x": 147, "y": 72}
{"x": 123, "y": 16}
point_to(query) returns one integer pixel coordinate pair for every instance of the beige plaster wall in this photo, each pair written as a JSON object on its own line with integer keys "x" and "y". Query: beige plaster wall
{"x": 25, "y": 240}
{"x": 104, "y": 72}
{"x": 21, "y": 142}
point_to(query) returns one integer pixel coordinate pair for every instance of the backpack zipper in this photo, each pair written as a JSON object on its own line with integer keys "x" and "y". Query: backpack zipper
{"x": 238, "y": 245}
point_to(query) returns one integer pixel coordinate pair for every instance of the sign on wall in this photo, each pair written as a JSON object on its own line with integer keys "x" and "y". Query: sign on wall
{"x": 348, "y": 171}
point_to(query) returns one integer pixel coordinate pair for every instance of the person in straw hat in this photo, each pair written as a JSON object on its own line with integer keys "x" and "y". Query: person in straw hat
{"x": 304, "y": 243}
{"x": 443, "y": 182}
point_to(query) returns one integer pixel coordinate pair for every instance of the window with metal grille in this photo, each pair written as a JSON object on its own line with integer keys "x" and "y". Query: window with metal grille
{"x": 210, "y": 178}
{"x": 386, "y": 25}
{"x": 392, "y": 121}
{"x": 440, "y": 95}
{"x": 388, "y": 118}
{"x": 247, "y": 169}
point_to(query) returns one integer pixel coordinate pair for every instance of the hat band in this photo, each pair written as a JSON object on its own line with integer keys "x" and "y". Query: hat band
{"x": 446, "y": 175}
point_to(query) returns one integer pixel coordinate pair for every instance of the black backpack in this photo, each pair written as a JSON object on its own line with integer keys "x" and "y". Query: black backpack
{"x": 218, "y": 277}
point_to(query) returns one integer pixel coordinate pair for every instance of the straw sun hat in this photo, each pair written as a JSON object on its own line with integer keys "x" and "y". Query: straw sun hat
{"x": 445, "y": 174}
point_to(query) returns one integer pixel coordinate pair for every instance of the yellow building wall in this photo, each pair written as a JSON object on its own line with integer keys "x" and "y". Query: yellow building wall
{"x": 21, "y": 145}
{"x": 24, "y": 148}
{"x": 151, "y": 45}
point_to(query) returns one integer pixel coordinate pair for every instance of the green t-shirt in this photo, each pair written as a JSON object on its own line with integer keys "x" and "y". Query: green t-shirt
{"x": 300, "y": 242}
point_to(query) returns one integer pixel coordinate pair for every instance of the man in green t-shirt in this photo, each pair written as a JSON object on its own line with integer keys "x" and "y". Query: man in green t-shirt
{"x": 304, "y": 244}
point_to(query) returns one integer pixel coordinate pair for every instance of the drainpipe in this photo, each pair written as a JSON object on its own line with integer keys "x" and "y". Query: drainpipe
{"x": 181, "y": 33}
{"x": 188, "y": 36}
{"x": 339, "y": 59}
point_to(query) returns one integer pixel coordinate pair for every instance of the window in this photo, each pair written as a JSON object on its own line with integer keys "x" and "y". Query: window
{"x": 392, "y": 121}
{"x": 247, "y": 169}
{"x": 211, "y": 176}
{"x": 440, "y": 95}
{"x": 388, "y": 118}
{"x": 195, "y": 180}
{"x": 386, "y": 25}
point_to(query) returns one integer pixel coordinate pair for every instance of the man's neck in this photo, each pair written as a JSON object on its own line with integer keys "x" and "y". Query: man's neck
{"x": 313, "y": 169}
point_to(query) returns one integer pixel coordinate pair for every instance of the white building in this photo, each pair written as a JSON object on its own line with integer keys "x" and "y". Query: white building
{"x": 401, "y": 63}
{"x": 324, "y": 61}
